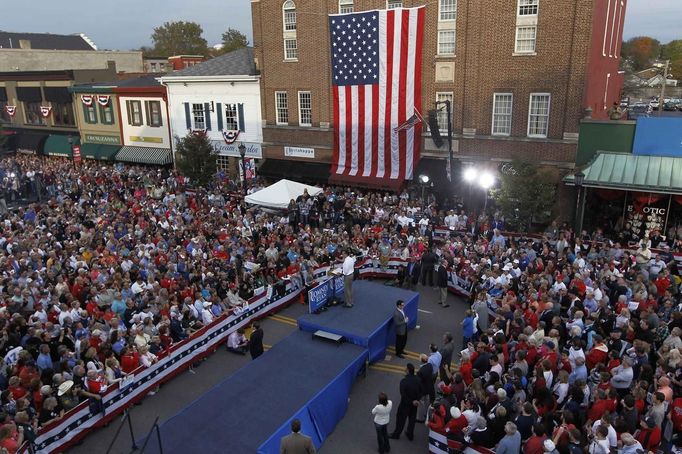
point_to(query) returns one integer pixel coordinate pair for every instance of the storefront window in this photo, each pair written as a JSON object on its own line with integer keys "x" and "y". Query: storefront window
{"x": 63, "y": 114}
{"x": 33, "y": 115}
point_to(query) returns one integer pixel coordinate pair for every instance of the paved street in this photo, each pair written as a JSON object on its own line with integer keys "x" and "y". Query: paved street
{"x": 354, "y": 434}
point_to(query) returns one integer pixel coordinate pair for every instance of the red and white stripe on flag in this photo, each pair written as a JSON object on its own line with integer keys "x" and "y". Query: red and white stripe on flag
{"x": 376, "y": 79}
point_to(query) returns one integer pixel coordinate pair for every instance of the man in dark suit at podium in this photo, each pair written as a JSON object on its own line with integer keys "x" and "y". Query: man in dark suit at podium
{"x": 400, "y": 322}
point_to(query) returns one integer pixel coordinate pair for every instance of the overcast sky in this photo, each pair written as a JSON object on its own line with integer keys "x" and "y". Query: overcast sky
{"x": 128, "y": 24}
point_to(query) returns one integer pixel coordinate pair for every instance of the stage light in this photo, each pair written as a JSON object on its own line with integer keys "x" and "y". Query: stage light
{"x": 470, "y": 174}
{"x": 487, "y": 180}
{"x": 424, "y": 179}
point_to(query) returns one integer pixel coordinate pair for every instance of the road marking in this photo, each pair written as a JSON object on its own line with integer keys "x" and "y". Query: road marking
{"x": 426, "y": 312}
{"x": 391, "y": 366}
{"x": 407, "y": 353}
{"x": 383, "y": 369}
{"x": 284, "y": 317}
{"x": 286, "y": 321}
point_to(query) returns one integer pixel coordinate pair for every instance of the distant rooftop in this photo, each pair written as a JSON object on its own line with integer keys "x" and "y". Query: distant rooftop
{"x": 239, "y": 62}
{"x": 45, "y": 41}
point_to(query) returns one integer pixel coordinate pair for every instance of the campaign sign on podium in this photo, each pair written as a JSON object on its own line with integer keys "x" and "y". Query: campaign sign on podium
{"x": 320, "y": 295}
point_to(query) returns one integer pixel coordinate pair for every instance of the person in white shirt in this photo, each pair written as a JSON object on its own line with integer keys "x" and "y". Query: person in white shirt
{"x": 382, "y": 416}
{"x": 237, "y": 342}
{"x": 348, "y": 268}
{"x": 206, "y": 315}
{"x": 451, "y": 220}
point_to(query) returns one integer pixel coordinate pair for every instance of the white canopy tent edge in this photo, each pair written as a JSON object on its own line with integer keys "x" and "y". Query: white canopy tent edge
{"x": 280, "y": 194}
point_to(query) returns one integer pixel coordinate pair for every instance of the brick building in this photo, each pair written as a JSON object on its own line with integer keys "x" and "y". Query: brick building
{"x": 520, "y": 75}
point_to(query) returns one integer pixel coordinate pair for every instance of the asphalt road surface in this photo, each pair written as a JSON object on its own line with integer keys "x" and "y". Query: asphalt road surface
{"x": 354, "y": 434}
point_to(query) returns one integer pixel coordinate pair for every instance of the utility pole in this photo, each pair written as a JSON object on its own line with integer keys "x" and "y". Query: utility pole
{"x": 660, "y": 98}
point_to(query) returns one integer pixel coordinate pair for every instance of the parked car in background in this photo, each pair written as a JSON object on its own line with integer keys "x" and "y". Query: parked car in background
{"x": 654, "y": 103}
{"x": 639, "y": 109}
{"x": 672, "y": 104}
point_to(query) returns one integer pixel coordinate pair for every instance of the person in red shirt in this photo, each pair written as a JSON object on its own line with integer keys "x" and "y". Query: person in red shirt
{"x": 130, "y": 359}
{"x": 534, "y": 445}
{"x": 650, "y": 434}
{"x": 600, "y": 405}
{"x": 598, "y": 354}
{"x": 454, "y": 428}
{"x": 465, "y": 368}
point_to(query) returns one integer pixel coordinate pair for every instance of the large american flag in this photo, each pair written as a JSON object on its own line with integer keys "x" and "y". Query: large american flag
{"x": 376, "y": 80}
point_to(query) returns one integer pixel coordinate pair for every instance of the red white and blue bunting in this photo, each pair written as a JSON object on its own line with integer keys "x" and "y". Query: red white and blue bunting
{"x": 45, "y": 111}
{"x": 230, "y": 137}
{"x": 103, "y": 100}
{"x": 11, "y": 110}
{"x": 87, "y": 100}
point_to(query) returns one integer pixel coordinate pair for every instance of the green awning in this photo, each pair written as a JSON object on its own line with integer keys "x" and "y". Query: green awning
{"x": 99, "y": 151}
{"x": 629, "y": 172}
{"x": 57, "y": 145}
{"x": 145, "y": 155}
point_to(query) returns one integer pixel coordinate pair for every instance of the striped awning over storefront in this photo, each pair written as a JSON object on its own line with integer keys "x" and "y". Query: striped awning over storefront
{"x": 145, "y": 155}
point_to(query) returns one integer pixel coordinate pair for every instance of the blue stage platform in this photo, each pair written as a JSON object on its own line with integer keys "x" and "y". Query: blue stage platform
{"x": 250, "y": 411}
{"x": 369, "y": 323}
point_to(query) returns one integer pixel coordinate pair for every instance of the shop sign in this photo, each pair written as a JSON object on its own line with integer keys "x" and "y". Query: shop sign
{"x": 146, "y": 139}
{"x": 102, "y": 139}
{"x": 253, "y": 150}
{"x": 297, "y": 152}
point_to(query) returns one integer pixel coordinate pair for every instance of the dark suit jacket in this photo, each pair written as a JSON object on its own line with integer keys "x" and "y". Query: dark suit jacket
{"x": 256, "y": 342}
{"x": 425, "y": 374}
{"x": 399, "y": 323}
{"x": 410, "y": 390}
{"x": 296, "y": 443}
{"x": 442, "y": 277}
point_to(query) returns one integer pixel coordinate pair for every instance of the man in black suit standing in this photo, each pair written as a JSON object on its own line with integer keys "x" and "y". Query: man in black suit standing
{"x": 410, "y": 392}
{"x": 429, "y": 260}
{"x": 256, "y": 341}
{"x": 442, "y": 282}
{"x": 400, "y": 322}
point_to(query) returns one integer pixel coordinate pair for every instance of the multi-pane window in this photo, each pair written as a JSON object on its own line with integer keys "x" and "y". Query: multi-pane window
{"x": 448, "y": 9}
{"x": 62, "y": 114}
{"x": 90, "y": 113}
{"x": 223, "y": 162}
{"x": 289, "y": 9}
{"x": 442, "y": 113}
{"x": 502, "y": 114}
{"x": 106, "y": 113}
{"x": 525, "y": 38}
{"x": 528, "y": 7}
{"x": 393, "y": 4}
{"x": 305, "y": 109}
{"x": 231, "y": 117}
{"x": 446, "y": 42}
{"x": 290, "y": 49}
{"x": 281, "y": 107}
{"x": 153, "y": 110}
{"x": 345, "y": 6}
{"x": 538, "y": 115}
{"x": 134, "y": 109}
{"x": 33, "y": 115}
{"x": 198, "y": 116}
{"x": 153, "y": 65}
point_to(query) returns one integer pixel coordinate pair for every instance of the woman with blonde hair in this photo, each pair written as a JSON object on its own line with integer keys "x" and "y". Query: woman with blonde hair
{"x": 560, "y": 389}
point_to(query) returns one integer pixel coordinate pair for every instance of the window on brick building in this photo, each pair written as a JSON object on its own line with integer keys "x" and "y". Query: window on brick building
{"x": 345, "y": 6}
{"x": 538, "y": 114}
{"x": 525, "y": 39}
{"x": 528, "y": 7}
{"x": 442, "y": 113}
{"x": 290, "y": 49}
{"x": 289, "y": 11}
{"x": 305, "y": 109}
{"x": 223, "y": 163}
{"x": 502, "y": 114}
{"x": 281, "y": 108}
{"x": 198, "y": 116}
{"x": 446, "y": 42}
{"x": 448, "y": 10}
{"x": 393, "y": 4}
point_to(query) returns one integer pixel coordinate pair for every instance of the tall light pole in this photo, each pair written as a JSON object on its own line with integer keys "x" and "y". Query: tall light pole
{"x": 579, "y": 179}
{"x": 661, "y": 97}
{"x": 424, "y": 180}
{"x": 242, "y": 153}
{"x": 486, "y": 181}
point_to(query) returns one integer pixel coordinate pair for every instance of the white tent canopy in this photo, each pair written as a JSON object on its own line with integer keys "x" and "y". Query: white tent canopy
{"x": 280, "y": 194}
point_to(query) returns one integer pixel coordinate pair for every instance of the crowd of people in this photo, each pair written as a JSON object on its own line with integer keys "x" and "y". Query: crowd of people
{"x": 571, "y": 345}
{"x": 105, "y": 266}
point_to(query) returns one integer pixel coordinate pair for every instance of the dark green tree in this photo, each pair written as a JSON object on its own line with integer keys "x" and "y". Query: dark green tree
{"x": 526, "y": 194}
{"x": 196, "y": 158}
{"x": 232, "y": 40}
{"x": 179, "y": 38}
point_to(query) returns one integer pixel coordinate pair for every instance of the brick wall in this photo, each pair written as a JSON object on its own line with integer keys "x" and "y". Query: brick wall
{"x": 483, "y": 65}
